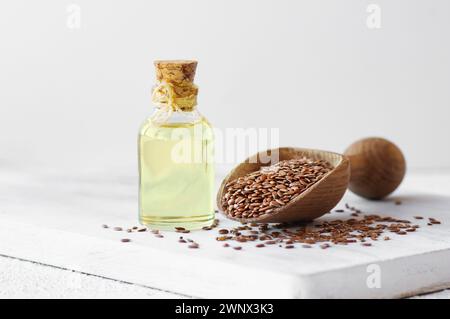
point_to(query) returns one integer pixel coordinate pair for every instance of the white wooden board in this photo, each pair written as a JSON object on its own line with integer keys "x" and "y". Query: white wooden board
{"x": 56, "y": 218}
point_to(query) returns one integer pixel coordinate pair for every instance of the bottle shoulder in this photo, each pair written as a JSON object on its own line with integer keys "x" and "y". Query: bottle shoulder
{"x": 153, "y": 128}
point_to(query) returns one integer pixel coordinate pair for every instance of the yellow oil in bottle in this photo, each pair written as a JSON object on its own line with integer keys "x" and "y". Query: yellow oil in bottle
{"x": 176, "y": 175}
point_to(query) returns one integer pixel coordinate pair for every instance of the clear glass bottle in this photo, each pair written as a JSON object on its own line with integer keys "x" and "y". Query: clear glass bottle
{"x": 176, "y": 168}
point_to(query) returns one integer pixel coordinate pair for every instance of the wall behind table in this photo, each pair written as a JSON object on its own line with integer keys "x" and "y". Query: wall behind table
{"x": 73, "y": 98}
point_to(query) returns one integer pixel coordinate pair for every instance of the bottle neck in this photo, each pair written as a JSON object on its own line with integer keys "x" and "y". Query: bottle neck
{"x": 175, "y": 96}
{"x": 165, "y": 115}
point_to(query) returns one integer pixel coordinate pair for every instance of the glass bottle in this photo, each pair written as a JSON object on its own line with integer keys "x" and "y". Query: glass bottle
{"x": 176, "y": 169}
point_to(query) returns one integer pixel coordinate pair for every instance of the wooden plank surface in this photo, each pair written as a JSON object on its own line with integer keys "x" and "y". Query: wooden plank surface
{"x": 56, "y": 219}
{"x": 25, "y": 279}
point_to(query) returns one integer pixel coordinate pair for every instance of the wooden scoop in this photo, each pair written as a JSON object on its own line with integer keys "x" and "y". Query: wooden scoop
{"x": 377, "y": 169}
{"x": 317, "y": 200}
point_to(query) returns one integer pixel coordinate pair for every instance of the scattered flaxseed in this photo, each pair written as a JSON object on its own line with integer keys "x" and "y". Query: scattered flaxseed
{"x": 358, "y": 228}
{"x": 434, "y": 221}
{"x": 339, "y": 211}
{"x": 105, "y": 226}
{"x": 398, "y": 202}
{"x": 125, "y": 240}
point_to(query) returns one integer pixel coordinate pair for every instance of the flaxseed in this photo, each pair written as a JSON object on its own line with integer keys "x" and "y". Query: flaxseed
{"x": 272, "y": 187}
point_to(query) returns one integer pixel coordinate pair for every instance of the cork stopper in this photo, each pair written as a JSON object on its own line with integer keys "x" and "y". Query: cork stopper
{"x": 175, "y": 71}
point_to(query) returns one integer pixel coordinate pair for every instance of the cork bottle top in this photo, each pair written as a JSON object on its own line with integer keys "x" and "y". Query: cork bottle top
{"x": 175, "y": 71}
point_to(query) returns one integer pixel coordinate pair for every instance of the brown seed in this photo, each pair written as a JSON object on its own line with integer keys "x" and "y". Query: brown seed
{"x": 260, "y": 245}
{"x": 105, "y": 226}
{"x": 289, "y": 246}
{"x": 125, "y": 240}
{"x": 418, "y": 217}
{"x": 306, "y": 246}
{"x": 193, "y": 245}
{"x": 398, "y": 202}
{"x": 117, "y": 228}
{"x": 226, "y": 245}
{"x": 142, "y": 230}
{"x": 434, "y": 221}
{"x": 366, "y": 244}
{"x": 237, "y": 248}
{"x": 223, "y": 231}
{"x": 180, "y": 229}
{"x": 159, "y": 236}
{"x": 182, "y": 241}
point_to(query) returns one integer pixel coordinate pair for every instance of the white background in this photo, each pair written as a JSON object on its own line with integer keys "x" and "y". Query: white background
{"x": 74, "y": 98}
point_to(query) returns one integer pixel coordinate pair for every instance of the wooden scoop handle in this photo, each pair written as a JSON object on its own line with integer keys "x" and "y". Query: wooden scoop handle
{"x": 377, "y": 167}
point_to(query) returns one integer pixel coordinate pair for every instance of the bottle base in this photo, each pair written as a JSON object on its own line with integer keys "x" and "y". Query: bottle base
{"x": 170, "y": 223}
